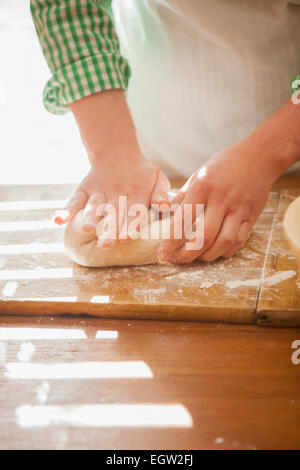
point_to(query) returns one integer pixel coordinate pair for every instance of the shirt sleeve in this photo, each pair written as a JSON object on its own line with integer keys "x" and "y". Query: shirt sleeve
{"x": 81, "y": 48}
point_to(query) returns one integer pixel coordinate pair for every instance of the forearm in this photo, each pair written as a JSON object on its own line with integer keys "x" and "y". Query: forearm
{"x": 106, "y": 127}
{"x": 278, "y": 138}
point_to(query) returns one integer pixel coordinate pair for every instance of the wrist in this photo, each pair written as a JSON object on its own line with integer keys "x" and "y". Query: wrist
{"x": 276, "y": 142}
{"x": 269, "y": 158}
{"x": 115, "y": 155}
{"x": 106, "y": 127}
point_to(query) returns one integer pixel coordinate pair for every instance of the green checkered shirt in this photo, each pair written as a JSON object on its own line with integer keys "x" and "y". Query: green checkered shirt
{"x": 81, "y": 48}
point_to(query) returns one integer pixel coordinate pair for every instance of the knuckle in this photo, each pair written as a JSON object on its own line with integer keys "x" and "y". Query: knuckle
{"x": 206, "y": 186}
{"x": 227, "y": 240}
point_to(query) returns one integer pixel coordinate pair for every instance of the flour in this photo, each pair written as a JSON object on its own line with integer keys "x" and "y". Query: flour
{"x": 208, "y": 284}
{"x": 270, "y": 280}
{"x": 148, "y": 296}
{"x": 10, "y": 288}
{"x": 142, "y": 292}
{"x": 241, "y": 283}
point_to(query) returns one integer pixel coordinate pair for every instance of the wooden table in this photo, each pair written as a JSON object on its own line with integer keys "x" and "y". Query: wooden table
{"x": 184, "y": 385}
{"x": 77, "y": 383}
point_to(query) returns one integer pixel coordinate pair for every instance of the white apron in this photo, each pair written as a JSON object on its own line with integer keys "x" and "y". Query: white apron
{"x": 205, "y": 73}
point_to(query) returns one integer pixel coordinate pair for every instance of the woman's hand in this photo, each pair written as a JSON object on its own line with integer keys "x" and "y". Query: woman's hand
{"x": 117, "y": 166}
{"x": 135, "y": 177}
{"x": 234, "y": 186}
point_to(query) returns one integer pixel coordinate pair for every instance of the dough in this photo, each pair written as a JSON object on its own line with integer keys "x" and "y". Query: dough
{"x": 83, "y": 248}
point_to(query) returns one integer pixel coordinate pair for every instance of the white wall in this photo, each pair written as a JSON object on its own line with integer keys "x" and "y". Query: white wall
{"x": 35, "y": 146}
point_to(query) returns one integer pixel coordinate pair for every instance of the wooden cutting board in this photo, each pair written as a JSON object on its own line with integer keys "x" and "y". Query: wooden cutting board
{"x": 37, "y": 277}
{"x": 279, "y": 302}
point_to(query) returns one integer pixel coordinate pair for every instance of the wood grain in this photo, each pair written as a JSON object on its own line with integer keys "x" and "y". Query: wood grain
{"x": 236, "y": 382}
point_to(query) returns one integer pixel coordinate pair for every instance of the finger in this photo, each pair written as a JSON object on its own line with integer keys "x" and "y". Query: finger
{"x": 172, "y": 205}
{"x": 185, "y": 215}
{"x": 137, "y": 214}
{"x": 75, "y": 204}
{"x": 179, "y": 197}
{"x": 241, "y": 239}
{"x": 225, "y": 240}
{"x": 106, "y": 227}
{"x": 177, "y": 200}
{"x": 91, "y": 216}
{"x": 116, "y": 209}
{"x": 206, "y": 234}
{"x": 160, "y": 197}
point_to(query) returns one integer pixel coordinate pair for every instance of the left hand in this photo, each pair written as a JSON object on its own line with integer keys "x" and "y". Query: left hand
{"x": 234, "y": 186}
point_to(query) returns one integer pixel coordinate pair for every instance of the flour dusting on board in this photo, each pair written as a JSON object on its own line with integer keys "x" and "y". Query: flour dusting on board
{"x": 270, "y": 280}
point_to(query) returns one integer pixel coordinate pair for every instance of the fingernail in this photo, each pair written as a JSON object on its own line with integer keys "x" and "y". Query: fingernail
{"x": 61, "y": 216}
{"x": 159, "y": 198}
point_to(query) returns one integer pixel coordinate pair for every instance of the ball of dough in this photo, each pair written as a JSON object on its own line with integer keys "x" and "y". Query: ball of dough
{"x": 83, "y": 248}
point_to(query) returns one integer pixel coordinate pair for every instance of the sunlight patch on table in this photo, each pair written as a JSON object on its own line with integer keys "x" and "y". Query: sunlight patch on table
{"x": 52, "y": 334}
{"x": 32, "y": 205}
{"x": 38, "y": 273}
{"x": 32, "y": 248}
{"x": 42, "y": 392}
{"x": 26, "y": 352}
{"x": 2, "y": 353}
{"x": 78, "y": 370}
{"x": 47, "y": 299}
{"x": 100, "y": 299}
{"x": 106, "y": 334}
{"x": 25, "y": 225}
{"x": 40, "y": 334}
{"x": 111, "y": 415}
{"x": 9, "y": 289}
